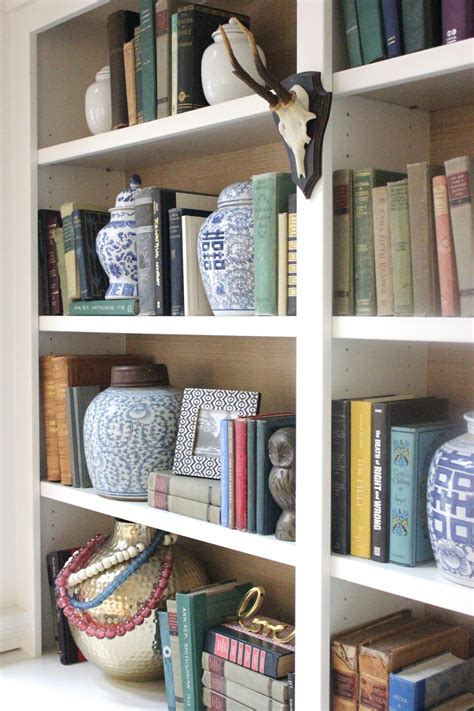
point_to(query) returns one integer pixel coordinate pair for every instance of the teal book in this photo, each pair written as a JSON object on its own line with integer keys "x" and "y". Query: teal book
{"x": 197, "y": 611}
{"x": 364, "y": 255}
{"x": 270, "y": 197}
{"x": 400, "y": 237}
{"x": 421, "y": 21}
{"x": 372, "y": 39}
{"x": 148, "y": 58}
{"x": 351, "y": 25}
{"x": 82, "y": 396}
{"x": 412, "y": 449}
{"x": 101, "y": 307}
{"x": 167, "y": 659}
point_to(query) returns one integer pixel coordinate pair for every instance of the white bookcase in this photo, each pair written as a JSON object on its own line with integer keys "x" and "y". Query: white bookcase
{"x": 381, "y": 115}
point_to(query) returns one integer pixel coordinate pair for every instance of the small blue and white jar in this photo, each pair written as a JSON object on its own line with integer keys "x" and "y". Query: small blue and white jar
{"x": 450, "y": 506}
{"x": 130, "y": 430}
{"x": 115, "y": 246}
{"x": 226, "y": 253}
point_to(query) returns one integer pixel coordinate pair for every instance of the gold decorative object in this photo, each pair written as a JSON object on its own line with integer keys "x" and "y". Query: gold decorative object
{"x": 265, "y": 626}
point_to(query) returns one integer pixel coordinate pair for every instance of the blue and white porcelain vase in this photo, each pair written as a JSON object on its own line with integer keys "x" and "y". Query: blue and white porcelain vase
{"x": 115, "y": 246}
{"x": 450, "y": 502}
{"x": 130, "y": 431}
{"x": 225, "y": 253}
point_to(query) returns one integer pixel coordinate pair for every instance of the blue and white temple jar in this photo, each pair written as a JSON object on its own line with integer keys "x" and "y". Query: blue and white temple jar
{"x": 450, "y": 501}
{"x": 115, "y": 246}
{"x": 130, "y": 431}
{"x": 226, "y": 255}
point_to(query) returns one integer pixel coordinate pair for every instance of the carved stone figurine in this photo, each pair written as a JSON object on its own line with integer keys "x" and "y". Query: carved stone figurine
{"x": 282, "y": 480}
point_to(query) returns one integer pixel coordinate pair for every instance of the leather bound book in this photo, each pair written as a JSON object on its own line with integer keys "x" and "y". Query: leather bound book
{"x": 50, "y": 427}
{"x": 49, "y": 220}
{"x": 120, "y": 27}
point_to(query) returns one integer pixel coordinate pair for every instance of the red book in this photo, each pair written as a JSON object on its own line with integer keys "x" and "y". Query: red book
{"x": 448, "y": 278}
{"x": 240, "y": 444}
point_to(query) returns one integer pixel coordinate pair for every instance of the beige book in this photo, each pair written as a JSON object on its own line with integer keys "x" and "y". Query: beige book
{"x": 382, "y": 251}
{"x": 195, "y": 299}
{"x": 130, "y": 84}
{"x": 282, "y": 263}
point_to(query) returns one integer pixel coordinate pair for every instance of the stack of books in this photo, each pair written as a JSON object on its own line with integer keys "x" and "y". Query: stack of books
{"x": 381, "y": 452}
{"x": 403, "y": 243}
{"x": 186, "y": 495}
{"x": 400, "y": 663}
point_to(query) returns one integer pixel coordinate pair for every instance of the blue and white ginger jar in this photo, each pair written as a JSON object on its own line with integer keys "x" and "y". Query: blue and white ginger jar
{"x": 115, "y": 246}
{"x": 226, "y": 254}
{"x": 130, "y": 431}
{"x": 450, "y": 503}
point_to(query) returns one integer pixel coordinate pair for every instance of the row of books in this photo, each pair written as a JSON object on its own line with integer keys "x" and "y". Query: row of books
{"x": 155, "y": 58}
{"x": 404, "y": 243}
{"x": 211, "y": 662}
{"x": 381, "y": 452}
{"x": 381, "y": 29}
{"x": 399, "y": 663}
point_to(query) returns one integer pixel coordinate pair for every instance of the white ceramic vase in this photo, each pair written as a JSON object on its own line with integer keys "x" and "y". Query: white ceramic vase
{"x": 98, "y": 103}
{"x": 218, "y": 81}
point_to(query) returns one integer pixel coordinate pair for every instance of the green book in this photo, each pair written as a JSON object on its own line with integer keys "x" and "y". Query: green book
{"x": 364, "y": 256}
{"x": 351, "y": 25}
{"x": 421, "y": 21}
{"x": 172, "y": 608}
{"x": 343, "y": 262}
{"x": 82, "y": 396}
{"x": 138, "y": 74}
{"x": 113, "y": 307}
{"x": 401, "y": 248}
{"x": 196, "y": 611}
{"x": 270, "y": 197}
{"x": 369, "y": 14}
{"x": 148, "y": 58}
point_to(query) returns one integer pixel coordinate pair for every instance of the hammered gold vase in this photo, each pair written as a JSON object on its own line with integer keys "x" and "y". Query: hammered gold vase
{"x": 135, "y": 656}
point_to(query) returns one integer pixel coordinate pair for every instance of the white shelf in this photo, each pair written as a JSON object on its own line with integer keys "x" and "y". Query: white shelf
{"x": 433, "y": 79}
{"x": 241, "y": 123}
{"x": 267, "y": 547}
{"x": 435, "y": 330}
{"x": 422, "y": 583}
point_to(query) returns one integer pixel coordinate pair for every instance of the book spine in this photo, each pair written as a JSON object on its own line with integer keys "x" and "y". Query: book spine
{"x": 382, "y": 252}
{"x": 369, "y": 15}
{"x": 145, "y": 251}
{"x": 421, "y": 21}
{"x": 351, "y": 24}
{"x": 43, "y": 287}
{"x": 167, "y": 659}
{"x": 231, "y": 471}
{"x": 186, "y": 41}
{"x": 456, "y": 20}
{"x": 185, "y": 507}
{"x": 195, "y": 298}
{"x": 380, "y": 484}
{"x": 54, "y": 286}
{"x": 292, "y": 690}
{"x": 70, "y": 254}
{"x": 118, "y": 307}
{"x": 237, "y": 692}
{"x": 176, "y": 261}
{"x": 92, "y": 278}
{"x": 460, "y": 176}
{"x": 251, "y": 477}
{"x": 184, "y": 615}
{"x": 272, "y": 688}
{"x": 218, "y": 702}
{"x": 343, "y": 272}
{"x": 391, "y": 24}
{"x": 282, "y": 263}
{"x": 71, "y": 421}
{"x": 163, "y": 52}
{"x": 61, "y": 382}
{"x": 405, "y": 695}
{"x": 120, "y": 26}
{"x": 195, "y": 488}
{"x": 174, "y": 63}
{"x": 130, "y": 87}
{"x": 224, "y": 443}
{"x": 364, "y": 258}
{"x": 249, "y": 655}
{"x": 50, "y": 427}
{"x": 240, "y": 436}
{"x": 401, "y": 249}
{"x": 68, "y": 651}
{"x": 171, "y": 607}
{"x": 80, "y": 253}
{"x": 340, "y": 477}
{"x": 163, "y": 202}
{"x": 361, "y": 479}
{"x": 403, "y": 487}
{"x": 82, "y": 397}
{"x": 448, "y": 278}
{"x": 138, "y": 74}
{"x": 148, "y": 40}
{"x": 292, "y": 257}
{"x": 59, "y": 242}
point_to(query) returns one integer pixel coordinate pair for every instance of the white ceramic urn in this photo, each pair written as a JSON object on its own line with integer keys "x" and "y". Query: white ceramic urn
{"x": 218, "y": 81}
{"x": 98, "y": 103}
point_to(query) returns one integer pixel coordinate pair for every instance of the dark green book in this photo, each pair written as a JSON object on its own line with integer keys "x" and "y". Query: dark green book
{"x": 369, "y": 15}
{"x": 251, "y": 477}
{"x": 148, "y": 58}
{"x": 421, "y": 21}
{"x": 112, "y": 307}
{"x": 138, "y": 74}
{"x": 87, "y": 224}
{"x": 364, "y": 257}
{"x": 401, "y": 248}
{"x": 78, "y": 399}
{"x": 351, "y": 24}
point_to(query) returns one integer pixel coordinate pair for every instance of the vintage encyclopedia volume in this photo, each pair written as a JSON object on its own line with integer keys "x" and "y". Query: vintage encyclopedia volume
{"x": 196, "y": 23}
{"x": 185, "y": 507}
{"x": 457, "y": 20}
{"x": 145, "y": 246}
{"x": 411, "y": 452}
{"x": 421, "y": 21}
{"x": 369, "y": 14}
{"x": 421, "y": 685}
{"x": 343, "y": 263}
{"x": 208, "y": 491}
{"x": 198, "y": 610}
{"x": 240, "y": 437}
{"x": 167, "y": 658}
{"x": 112, "y": 307}
{"x": 120, "y": 26}
{"x": 259, "y": 655}
{"x": 238, "y": 692}
{"x": 137, "y": 39}
{"x": 292, "y": 277}
{"x": 423, "y": 240}
{"x": 148, "y": 40}
{"x": 460, "y": 178}
{"x": 351, "y": 25}
{"x": 50, "y": 425}
{"x": 48, "y": 221}
{"x": 87, "y": 221}
{"x": 465, "y": 702}
{"x": 217, "y": 702}
{"x": 448, "y": 275}
{"x": 410, "y": 644}
{"x": 69, "y": 653}
{"x": 272, "y": 688}
{"x": 401, "y": 248}
{"x": 270, "y": 196}
{"x": 345, "y": 653}
{"x": 340, "y": 476}
{"x": 292, "y": 689}
{"x": 58, "y": 237}
{"x": 177, "y": 250}
{"x": 392, "y": 27}
{"x": 385, "y": 415}
{"x": 172, "y": 608}
{"x": 130, "y": 81}
{"x": 282, "y": 264}
{"x": 382, "y": 252}
{"x": 364, "y": 261}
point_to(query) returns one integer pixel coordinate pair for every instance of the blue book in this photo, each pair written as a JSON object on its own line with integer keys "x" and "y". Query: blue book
{"x": 429, "y": 682}
{"x": 412, "y": 448}
{"x": 392, "y": 28}
{"x": 166, "y": 654}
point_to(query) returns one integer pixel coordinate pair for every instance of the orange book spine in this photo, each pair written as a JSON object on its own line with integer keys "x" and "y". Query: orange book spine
{"x": 448, "y": 278}
{"x": 50, "y": 428}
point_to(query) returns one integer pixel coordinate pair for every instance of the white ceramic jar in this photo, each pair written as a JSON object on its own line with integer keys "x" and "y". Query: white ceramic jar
{"x": 98, "y": 103}
{"x": 218, "y": 81}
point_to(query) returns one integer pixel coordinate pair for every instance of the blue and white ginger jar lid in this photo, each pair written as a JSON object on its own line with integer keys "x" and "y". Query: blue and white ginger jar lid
{"x": 125, "y": 198}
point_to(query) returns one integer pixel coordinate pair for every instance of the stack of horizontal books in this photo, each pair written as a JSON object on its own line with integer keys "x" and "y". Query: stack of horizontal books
{"x": 186, "y": 495}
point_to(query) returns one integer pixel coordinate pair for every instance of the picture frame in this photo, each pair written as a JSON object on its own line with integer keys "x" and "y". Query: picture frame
{"x": 197, "y": 450}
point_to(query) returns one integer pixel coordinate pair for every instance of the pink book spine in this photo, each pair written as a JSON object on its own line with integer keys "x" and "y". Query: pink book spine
{"x": 448, "y": 278}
